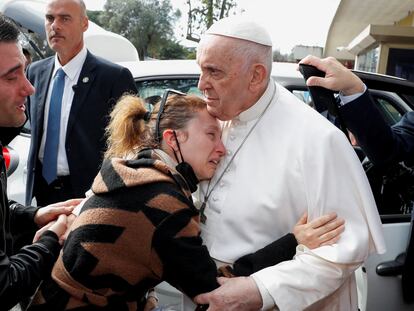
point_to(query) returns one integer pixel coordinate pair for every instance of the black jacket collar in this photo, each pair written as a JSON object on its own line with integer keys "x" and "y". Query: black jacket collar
{"x": 8, "y": 133}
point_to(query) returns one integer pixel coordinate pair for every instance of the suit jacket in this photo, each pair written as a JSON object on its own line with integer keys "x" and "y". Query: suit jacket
{"x": 89, "y": 115}
{"x": 384, "y": 146}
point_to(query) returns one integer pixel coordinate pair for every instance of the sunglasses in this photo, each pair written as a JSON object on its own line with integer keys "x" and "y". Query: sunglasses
{"x": 167, "y": 92}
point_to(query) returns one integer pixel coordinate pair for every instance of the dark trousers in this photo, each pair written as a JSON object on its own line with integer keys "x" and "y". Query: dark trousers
{"x": 59, "y": 190}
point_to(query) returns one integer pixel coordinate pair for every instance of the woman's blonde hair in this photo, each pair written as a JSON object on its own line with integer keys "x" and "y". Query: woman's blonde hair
{"x": 128, "y": 132}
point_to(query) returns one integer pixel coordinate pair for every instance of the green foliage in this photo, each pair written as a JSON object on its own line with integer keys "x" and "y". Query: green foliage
{"x": 173, "y": 50}
{"x": 94, "y": 16}
{"x": 148, "y": 24}
{"x": 203, "y": 13}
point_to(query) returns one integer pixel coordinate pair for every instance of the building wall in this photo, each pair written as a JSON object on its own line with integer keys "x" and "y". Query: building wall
{"x": 407, "y": 21}
{"x": 397, "y": 38}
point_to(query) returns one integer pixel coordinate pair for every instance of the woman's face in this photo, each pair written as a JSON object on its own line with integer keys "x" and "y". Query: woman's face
{"x": 202, "y": 147}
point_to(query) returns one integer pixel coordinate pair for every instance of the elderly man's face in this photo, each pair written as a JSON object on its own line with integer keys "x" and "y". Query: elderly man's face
{"x": 14, "y": 87}
{"x": 224, "y": 80}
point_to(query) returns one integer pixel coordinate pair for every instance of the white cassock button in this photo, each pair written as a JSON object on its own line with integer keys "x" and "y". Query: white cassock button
{"x": 229, "y": 152}
{"x": 215, "y": 199}
{"x": 232, "y": 137}
{"x": 222, "y": 184}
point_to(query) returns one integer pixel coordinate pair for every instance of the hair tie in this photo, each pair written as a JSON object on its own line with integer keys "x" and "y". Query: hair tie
{"x": 147, "y": 116}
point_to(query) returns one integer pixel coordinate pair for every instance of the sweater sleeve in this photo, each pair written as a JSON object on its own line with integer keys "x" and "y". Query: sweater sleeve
{"x": 280, "y": 250}
{"x": 187, "y": 263}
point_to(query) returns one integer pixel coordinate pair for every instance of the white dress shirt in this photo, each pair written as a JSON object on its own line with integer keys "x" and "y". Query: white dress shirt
{"x": 72, "y": 70}
{"x": 345, "y": 99}
{"x": 293, "y": 161}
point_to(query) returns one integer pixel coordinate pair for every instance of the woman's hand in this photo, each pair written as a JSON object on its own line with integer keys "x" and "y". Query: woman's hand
{"x": 45, "y": 215}
{"x": 324, "y": 230}
{"x": 58, "y": 226}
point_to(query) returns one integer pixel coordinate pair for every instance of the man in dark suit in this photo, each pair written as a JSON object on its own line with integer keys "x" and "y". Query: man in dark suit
{"x": 75, "y": 92}
{"x": 383, "y": 145}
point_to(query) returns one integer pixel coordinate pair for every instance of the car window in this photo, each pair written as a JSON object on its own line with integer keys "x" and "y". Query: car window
{"x": 152, "y": 90}
{"x": 303, "y": 96}
{"x": 390, "y": 113}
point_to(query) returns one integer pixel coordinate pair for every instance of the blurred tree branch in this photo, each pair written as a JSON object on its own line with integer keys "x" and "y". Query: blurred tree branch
{"x": 203, "y": 13}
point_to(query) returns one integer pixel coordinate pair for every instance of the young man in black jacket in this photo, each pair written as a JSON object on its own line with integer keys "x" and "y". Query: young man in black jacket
{"x": 21, "y": 273}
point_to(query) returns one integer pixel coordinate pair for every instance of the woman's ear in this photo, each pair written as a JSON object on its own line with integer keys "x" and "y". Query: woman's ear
{"x": 169, "y": 138}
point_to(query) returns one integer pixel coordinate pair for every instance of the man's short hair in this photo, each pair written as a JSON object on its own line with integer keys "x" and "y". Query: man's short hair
{"x": 83, "y": 7}
{"x": 8, "y": 30}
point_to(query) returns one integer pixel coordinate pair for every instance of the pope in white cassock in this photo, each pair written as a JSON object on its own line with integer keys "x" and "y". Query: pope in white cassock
{"x": 283, "y": 159}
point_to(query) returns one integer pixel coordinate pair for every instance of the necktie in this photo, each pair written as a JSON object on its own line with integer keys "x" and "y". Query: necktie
{"x": 49, "y": 170}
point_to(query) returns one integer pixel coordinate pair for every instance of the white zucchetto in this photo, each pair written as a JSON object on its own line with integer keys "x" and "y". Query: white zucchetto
{"x": 241, "y": 28}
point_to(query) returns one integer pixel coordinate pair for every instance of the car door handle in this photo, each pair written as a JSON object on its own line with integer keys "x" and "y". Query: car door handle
{"x": 393, "y": 267}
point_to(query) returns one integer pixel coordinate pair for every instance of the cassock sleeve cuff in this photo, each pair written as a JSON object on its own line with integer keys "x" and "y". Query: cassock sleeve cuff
{"x": 267, "y": 299}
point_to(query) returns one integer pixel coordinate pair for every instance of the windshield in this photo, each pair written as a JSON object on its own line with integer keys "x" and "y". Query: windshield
{"x": 152, "y": 90}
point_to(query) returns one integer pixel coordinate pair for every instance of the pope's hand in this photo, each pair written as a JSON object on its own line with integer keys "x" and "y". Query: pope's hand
{"x": 239, "y": 293}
